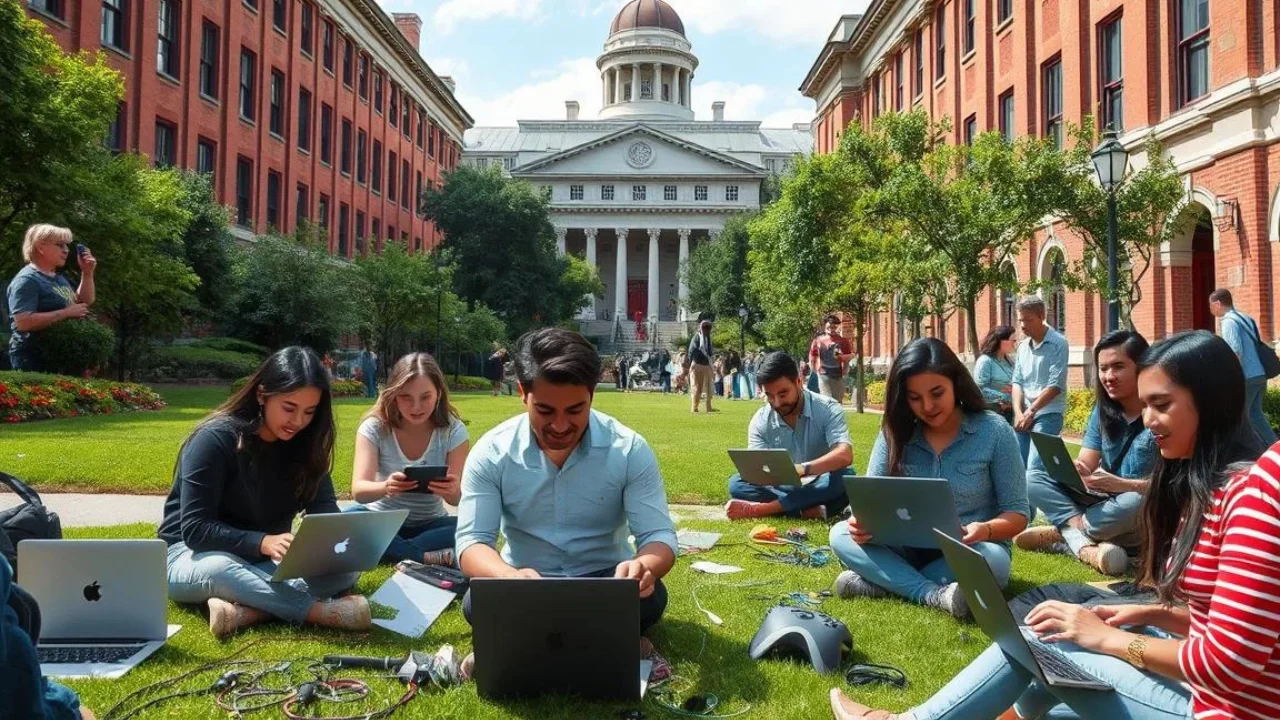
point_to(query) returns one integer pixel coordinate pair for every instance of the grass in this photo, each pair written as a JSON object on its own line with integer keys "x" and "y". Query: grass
{"x": 135, "y": 452}
{"x": 930, "y": 647}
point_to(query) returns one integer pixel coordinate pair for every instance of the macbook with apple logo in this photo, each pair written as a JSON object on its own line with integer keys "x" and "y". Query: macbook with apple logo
{"x": 903, "y": 511}
{"x": 102, "y": 603}
{"x": 328, "y": 543}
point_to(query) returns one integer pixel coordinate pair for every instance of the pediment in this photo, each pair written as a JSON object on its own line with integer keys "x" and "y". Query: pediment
{"x": 638, "y": 151}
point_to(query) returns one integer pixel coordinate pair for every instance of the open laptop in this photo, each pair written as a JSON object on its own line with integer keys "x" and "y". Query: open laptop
{"x": 767, "y": 466}
{"x": 328, "y": 543}
{"x": 992, "y": 614}
{"x": 903, "y": 510}
{"x": 572, "y": 636}
{"x": 102, "y": 603}
{"x": 1060, "y": 465}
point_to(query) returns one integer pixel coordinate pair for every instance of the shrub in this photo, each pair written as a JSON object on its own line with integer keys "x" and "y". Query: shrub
{"x": 38, "y": 396}
{"x": 339, "y": 388}
{"x": 1271, "y": 405}
{"x": 74, "y": 347}
{"x": 231, "y": 345}
{"x": 465, "y": 383}
{"x": 189, "y": 362}
{"x": 1079, "y": 407}
{"x": 875, "y": 392}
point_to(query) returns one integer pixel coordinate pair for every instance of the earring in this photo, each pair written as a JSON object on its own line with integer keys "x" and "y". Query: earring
{"x": 262, "y": 413}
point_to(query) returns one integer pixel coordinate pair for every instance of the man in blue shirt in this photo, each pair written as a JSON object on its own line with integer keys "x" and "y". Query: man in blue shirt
{"x": 1241, "y": 333}
{"x": 1039, "y": 380}
{"x": 812, "y": 429}
{"x": 565, "y": 484}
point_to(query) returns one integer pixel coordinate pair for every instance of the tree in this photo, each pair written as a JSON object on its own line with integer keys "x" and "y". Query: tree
{"x": 206, "y": 245}
{"x": 718, "y": 276}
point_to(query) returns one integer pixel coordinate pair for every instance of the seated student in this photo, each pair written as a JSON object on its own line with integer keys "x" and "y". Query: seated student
{"x": 242, "y": 476}
{"x": 1211, "y": 647}
{"x": 412, "y": 423}
{"x": 565, "y": 484}
{"x": 812, "y": 429}
{"x": 1115, "y": 458}
{"x": 936, "y": 425}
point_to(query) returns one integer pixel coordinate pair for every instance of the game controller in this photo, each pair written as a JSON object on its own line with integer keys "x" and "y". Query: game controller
{"x": 812, "y": 635}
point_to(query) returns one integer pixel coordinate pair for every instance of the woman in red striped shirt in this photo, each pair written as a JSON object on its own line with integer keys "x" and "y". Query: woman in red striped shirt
{"x": 1211, "y": 551}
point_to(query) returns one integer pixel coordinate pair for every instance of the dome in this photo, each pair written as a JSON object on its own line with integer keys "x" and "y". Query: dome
{"x": 647, "y": 14}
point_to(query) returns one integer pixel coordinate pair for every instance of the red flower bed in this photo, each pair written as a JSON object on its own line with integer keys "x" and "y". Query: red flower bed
{"x": 31, "y": 396}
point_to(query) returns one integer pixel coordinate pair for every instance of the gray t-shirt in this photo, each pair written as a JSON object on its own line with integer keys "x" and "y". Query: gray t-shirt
{"x": 31, "y": 291}
{"x": 422, "y": 507}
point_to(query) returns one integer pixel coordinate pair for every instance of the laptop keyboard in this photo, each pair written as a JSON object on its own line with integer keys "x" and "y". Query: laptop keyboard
{"x": 1055, "y": 665}
{"x": 80, "y": 654}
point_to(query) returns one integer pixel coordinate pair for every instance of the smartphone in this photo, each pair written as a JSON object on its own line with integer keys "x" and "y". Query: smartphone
{"x": 81, "y": 250}
{"x": 423, "y": 474}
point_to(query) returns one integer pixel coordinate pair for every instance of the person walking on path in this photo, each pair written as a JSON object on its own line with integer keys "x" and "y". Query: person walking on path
{"x": 701, "y": 373}
{"x": 829, "y": 354}
{"x": 1039, "y": 380}
{"x": 994, "y": 371}
{"x": 368, "y": 362}
{"x": 1241, "y": 333}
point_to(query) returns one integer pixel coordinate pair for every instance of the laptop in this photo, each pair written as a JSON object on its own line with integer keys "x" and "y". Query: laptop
{"x": 571, "y": 636}
{"x": 986, "y": 602}
{"x": 102, "y": 603}
{"x": 328, "y": 543}
{"x": 767, "y": 466}
{"x": 903, "y": 510}
{"x": 1060, "y": 465}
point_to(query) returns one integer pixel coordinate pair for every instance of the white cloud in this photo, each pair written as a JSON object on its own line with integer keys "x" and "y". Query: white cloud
{"x": 456, "y": 68}
{"x": 803, "y": 22}
{"x": 454, "y": 12}
{"x": 786, "y": 118}
{"x": 542, "y": 99}
{"x": 742, "y": 101}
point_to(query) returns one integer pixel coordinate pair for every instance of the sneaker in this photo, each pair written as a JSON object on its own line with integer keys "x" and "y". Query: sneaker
{"x": 226, "y": 617}
{"x": 949, "y": 599}
{"x": 849, "y": 585}
{"x": 439, "y": 557}
{"x": 1041, "y": 538}
{"x": 1106, "y": 558}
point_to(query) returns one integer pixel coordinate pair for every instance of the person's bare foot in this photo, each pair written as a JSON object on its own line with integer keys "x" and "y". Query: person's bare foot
{"x": 346, "y": 613}
{"x": 1041, "y": 538}
{"x": 227, "y": 617}
{"x": 745, "y": 509}
{"x": 845, "y": 709}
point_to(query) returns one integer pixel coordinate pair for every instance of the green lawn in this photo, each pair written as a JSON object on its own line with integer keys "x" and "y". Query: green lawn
{"x": 930, "y": 647}
{"x": 135, "y": 452}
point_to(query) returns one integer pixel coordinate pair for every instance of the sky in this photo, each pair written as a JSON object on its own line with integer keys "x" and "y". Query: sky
{"x": 522, "y": 59}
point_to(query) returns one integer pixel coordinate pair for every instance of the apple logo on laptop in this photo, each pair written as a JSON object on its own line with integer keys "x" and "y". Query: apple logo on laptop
{"x": 904, "y": 514}
{"x": 341, "y": 547}
{"x": 766, "y": 470}
{"x": 92, "y": 592}
{"x": 1057, "y": 460}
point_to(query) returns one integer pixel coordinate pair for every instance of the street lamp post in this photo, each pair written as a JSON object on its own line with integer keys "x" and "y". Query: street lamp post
{"x": 743, "y": 313}
{"x": 1110, "y": 160}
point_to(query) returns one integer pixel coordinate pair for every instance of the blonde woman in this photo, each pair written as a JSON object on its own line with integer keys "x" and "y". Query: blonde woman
{"x": 412, "y": 423}
{"x": 39, "y": 297}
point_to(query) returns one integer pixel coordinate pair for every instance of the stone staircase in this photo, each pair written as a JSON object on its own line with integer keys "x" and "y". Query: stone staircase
{"x": 606, "y": 336}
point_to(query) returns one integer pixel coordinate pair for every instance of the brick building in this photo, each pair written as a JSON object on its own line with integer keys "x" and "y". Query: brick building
{"x": 1201, "y": 75}
{"x": 304, "y": 111}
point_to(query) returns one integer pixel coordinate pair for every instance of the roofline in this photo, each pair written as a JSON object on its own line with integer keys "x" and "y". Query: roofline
{"x": 582, "y": 147}
{"x": 868, "y": 23}
{"x": 820, "y": 63}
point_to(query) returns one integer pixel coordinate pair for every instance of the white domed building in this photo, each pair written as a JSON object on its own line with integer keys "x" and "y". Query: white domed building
{"x": 635, "y": 189}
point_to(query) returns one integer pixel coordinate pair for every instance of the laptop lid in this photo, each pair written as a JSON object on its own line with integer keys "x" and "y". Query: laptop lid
{"x": 765, "y": 466}
{"x": 97, "y": 589}
{"x": 903, "y": 510}
{"x": 1058, "y": 461}
{"x": 573, "y": 636}
{"x": 328, "y": 543}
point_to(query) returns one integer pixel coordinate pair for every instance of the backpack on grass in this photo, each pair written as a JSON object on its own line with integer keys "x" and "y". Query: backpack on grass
{"x": 28, "y": 520}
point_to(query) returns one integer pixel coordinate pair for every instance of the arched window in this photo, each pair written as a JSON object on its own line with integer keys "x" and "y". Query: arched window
{"x": 1056, "y": 302}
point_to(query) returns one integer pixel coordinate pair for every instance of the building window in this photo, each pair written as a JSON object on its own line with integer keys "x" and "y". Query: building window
{"x": 407, "y": 126}
{"x": 391, "y": 232}
{"x": 1111, "y": 65}
{"x": 304, "y": 119}
{"x": 252, "y": 4}
{"x": 606, "y": 192}
{"x": 546, "y": 193}
{"x": 700, "y": 193}
{"x": 206, "y": 156}
{"x": 244, "y": 191}
{"x": 273, "y": 200}
{"x": 394, "y": 108}
{"x": 731, "y": 193}
{"x": 1052, "y": 86}
{"x": 344, "y": 157}
{"x": 940, "y": 40}
{"x": 48, "y": 7}
{"x": 166, "y": 145}
{"x": 307, "y": 29}
{"x": 327, "y": 46}
{"x": 115, "y": 140}
{"x": 344, "y": 222}
{"x": 376, "y": 233}
{"x": 362, "y": 142}
{"x": 646, "y": 89}
{"x": 115, "y": 24}
{"x": 638, "y": 193}
{"x": 322, "y": 214}
{"x": 919, "y": 63}
{"x": 277, "y": 102}
{"x": 405, "y": 200}
{"x": 970, "y": 129}
{"x": 375, "y": 174}
{"x": 508, "y": 163}
{"x": 167, "y": 49}
{"x": 210, "y": 50}
{"x": 1006, "y": 116}
{"x": 1004, "y": 11}
{"x": 391, "y": 177}
{"x": 1193, "y": 49}
{"x": 360, "y": 247}
{"x": 326, "y": 134}
{"x": 417, "y": 193}
{"x": 669, "y": 193}
{"x": 876, "y": 96}
{"x": 346, "y": 61}
{"x": 1057, "y": 300}
{"x": 279, "y": 14}
{"x": 377, "y": 91}
{"x": 364, "y": 77}
{"x": 248, "y": 84}
{"x": 576, "y": 192}
{"x": 899, "y": 91}
{"x": 420, "y": 141}
{"x": 970, "y": 20}
{"x": 301, "y": 205}
{"x": 431, "y": 145}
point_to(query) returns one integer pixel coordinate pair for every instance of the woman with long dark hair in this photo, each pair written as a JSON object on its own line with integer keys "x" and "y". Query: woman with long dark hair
{"x": 936, "y": 425}
{"x": 1211, "y": 550}
{"x": 993, "y": 371}
{"x": 241, "y": 478}
{"x": 1115, "y": 463}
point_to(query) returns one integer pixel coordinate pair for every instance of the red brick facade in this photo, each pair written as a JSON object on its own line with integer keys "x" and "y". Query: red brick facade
{"x": 183, "y": 80}
{"x": 1219, "y": 131}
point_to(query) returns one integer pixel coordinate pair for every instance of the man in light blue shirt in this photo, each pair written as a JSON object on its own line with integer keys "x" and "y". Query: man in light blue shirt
{"x": 1241, "y": 333}
{"x": 1039, "y": 380}
{"x": 813, "y": 430}
{"x": 565, "y": 484}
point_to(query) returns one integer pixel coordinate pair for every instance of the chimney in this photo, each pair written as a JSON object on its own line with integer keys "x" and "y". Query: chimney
{"x": 410, "y": 26}
{"x": 450, "y": 83}
{"x": 717, "y": 111}
{"x": 571, "y": 108}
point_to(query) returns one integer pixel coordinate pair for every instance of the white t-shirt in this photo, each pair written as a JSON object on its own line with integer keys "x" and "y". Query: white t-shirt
{"x": 422, "y": 507}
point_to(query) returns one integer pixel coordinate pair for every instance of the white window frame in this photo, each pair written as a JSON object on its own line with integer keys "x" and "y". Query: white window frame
{"x": 639, "y": 193}
{"x": 700, "y": 193}
{"x": 576, "y": 192}
{"x": 670, "y": 193}
{"x": 606, "y": 192}
{"x": 731, "y": 193}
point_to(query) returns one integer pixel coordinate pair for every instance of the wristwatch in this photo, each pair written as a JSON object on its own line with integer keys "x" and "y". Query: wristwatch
{"x": 804, "y": 469}
{"x": 1136, "y": 653}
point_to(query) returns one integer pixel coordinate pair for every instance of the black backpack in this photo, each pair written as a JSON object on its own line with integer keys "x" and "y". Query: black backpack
{"x": 29, "y": 520}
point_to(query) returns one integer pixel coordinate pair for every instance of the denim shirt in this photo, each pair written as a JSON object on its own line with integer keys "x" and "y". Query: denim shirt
{"x": 1137, "y": 460}
{"x": 1038, "y": 367}
{"x": 1238, "y": 330}
{"x": 992, "y": 375}
{"x": 982, "y": 464}
{"x": 821, "y": 426}
{"x": 24, "y": 691}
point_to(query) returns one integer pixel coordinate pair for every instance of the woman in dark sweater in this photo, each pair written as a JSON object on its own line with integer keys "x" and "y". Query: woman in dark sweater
{"x": 241, "y": 478}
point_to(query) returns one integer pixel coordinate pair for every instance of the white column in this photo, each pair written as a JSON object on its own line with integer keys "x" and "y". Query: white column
{"x": 657, "y": 81}
{"x": 688, "y": 90}
{"x": 620, "y": 277}
{"x": 653, "y": 274}
{"x": 561, "y": 234}
{"x": 635, "y": 82}
{"x": 591, "y": 263}
{"x": 683, "y": 287}
{"x": 676, "y": 83}
{"x": 617, "y": 84}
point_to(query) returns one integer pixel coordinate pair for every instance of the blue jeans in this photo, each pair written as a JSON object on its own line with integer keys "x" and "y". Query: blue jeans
{"x": 651, "y": 608}
{"x": 911, "y": 573}
{"x": 1050, "y": 424}
{"x": 827, "y": 490}
{"x": 666, "y": 382}
{"x": 993, "y": 682}
{"x": 750, "y": 380}
{"x": 370, "y": 385}
{"x": 736, "y": 382}
{"x": 411, "y": 541}
{"x": 1254, "y": 390}
{"x": 195, "y": 577}
{"x": 1113, "y": 519}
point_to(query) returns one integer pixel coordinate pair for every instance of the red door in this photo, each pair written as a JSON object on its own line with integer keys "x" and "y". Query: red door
{"x": 1203, "y": 279}
{"x": 637, "y": 298}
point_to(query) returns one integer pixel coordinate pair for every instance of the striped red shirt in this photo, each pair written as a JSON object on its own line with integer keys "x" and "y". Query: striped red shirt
{"x": 1231, "y": 657}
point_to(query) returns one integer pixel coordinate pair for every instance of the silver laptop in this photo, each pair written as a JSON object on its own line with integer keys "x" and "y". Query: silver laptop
{"x": 329, "y": 543}
{"x": 102, "y": 603}
{"x": 992, "y": 614}
{"x": 1059, "y": 464}
{"x": 903, "y": 510}
{"x": 767, "y": 466}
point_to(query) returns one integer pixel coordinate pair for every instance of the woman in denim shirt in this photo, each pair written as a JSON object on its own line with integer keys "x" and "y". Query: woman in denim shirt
{"x": 994, "y": 371}
{"x": 1115, "y": 461}
{"x": 936, "y": 425}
